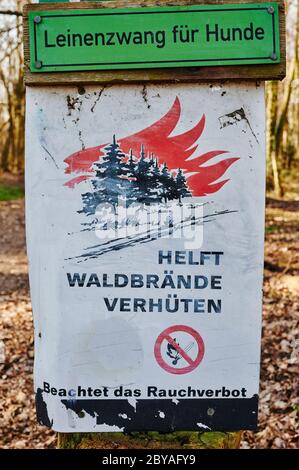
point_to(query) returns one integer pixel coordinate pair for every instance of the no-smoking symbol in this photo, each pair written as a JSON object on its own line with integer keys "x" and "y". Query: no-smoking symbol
{"x": 179, "y": 349}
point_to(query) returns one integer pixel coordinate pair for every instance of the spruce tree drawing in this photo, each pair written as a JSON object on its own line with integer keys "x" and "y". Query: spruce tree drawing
{"x": 141, "y": 175}
{"x": 111, "y": 175}
{"x": 132, "y": 179}
{"x": 181, "y": 186}
{"x": 155, "y": 185}
{"x": 110, "y": 183}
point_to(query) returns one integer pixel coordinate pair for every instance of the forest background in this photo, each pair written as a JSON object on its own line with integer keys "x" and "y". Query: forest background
{"x": 280, "y": 346}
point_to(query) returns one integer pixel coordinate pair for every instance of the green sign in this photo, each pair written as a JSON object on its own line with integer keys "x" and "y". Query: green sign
{"x": 135, "y": 38}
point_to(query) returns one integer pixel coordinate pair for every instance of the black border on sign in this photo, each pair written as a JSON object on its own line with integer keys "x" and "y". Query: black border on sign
{"x": 155, "y": 61}
{"x": 186, "y": 414}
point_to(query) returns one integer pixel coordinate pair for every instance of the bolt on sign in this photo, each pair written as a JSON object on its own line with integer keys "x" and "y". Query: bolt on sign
{"x": 145, "y": 187}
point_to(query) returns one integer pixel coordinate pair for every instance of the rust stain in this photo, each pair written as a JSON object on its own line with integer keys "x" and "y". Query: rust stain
{"x": 144, "y": 96}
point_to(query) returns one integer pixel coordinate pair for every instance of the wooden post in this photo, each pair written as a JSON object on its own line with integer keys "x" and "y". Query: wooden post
{"x": 150, "y": 440}
{"x": 160, "y": 114}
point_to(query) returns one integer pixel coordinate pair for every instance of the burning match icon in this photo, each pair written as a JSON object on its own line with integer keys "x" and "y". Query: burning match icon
{"x": 172, "y": 352}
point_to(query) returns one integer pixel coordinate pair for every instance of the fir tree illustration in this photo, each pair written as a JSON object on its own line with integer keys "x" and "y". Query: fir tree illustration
{"x": 135, "y": 191}
{"x": 111, "y": 180}
{"x": 132, "y": 179}
{"x": 168, "y": 184}
{"x": 181, "y": 186}
{"x": 155, "y": 185}
{"x": 142, "y": 176}
{"x": 131, "y": 163}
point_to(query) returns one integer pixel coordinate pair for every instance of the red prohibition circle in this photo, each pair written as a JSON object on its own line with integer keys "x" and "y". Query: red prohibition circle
{"x": 165, "y": 335}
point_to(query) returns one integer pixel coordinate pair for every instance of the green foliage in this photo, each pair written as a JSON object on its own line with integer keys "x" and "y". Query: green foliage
{"x": 272, "y": 228}
{"x": 9, "y": 193}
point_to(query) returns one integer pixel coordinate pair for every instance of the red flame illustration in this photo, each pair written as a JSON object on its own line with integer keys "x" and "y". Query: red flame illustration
{"x": 174, "y": 151}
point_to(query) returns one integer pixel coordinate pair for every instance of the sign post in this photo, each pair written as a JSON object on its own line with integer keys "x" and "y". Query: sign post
{"x": 145, "y": 177}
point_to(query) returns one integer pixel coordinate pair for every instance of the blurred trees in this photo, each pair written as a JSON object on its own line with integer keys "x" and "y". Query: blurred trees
{"x": 283, "y": 110}
{"x": 282, "y": 99}
{"x": 12, "y": 98}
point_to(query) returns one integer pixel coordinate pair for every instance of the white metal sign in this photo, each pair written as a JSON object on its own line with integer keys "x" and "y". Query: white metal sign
{"x": 145, "y": 214}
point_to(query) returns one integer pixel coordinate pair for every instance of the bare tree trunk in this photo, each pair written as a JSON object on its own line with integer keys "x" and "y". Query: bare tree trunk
{"x": 12, "y": 91}
{"x": 271, "y": 141}
{"x": 284, "y": 108}
{"x": 295, "y": 90}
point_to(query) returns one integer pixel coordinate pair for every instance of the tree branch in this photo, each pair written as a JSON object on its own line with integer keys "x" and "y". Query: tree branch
{"x": 9, "y": 29}
{"x": 10, "y": 12}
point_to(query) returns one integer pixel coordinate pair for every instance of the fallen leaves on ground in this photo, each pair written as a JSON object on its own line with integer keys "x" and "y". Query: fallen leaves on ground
{"x": 278, "y": 405}
{"x": 19, "y": 428}
{"x": 278, "y": 397}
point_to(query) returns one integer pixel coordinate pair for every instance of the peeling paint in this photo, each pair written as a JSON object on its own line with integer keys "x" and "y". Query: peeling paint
{"x": 98, "y": 99}
{"x": 187, "y": 414}
{"x": 203, "y": 426}
{"x": 235, "y": 117}
{"x": 81, "y": 140}
{"x": 145, "y": 96}
{"x": 73, "y": 104}
{"x": 42, "y": 410}
{"x": 123, "y": 415}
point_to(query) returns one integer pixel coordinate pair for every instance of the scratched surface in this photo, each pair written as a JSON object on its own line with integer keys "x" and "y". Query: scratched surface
{"x": 103, "y": 361}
